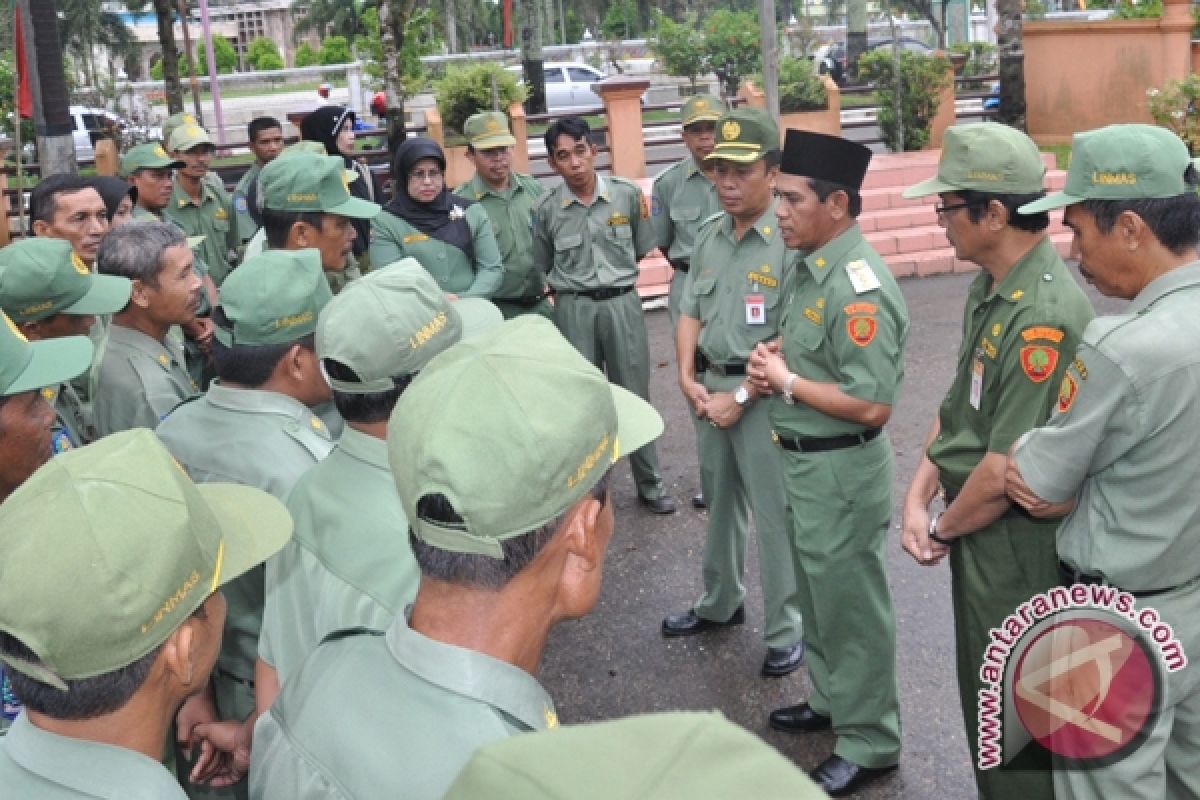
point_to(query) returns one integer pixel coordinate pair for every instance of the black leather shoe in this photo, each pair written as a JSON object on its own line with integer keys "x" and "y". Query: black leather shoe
{"x": 839, "y": 777}
{"x": 782, "y": 661}
{"x": 799, "y": 719}
{"x": 662, "y": 504}
{"x": 688, "y": 624}
{"x": 698, "y": 501}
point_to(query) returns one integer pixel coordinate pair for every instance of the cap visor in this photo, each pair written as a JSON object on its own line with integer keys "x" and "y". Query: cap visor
{"x": 740, "y": 155}
{"x": 254, "y": 524}
{"x": 108, "y": 295}
{"x": 488, "y": 142}
{"x": 478, "y": 315}
{"x": 54, "y": 361}
{"x": 355, "y": 208}
{"x": 934, "y": 185}
{"x": 638, "y": 423}
{"x": 1050, "y": 202}
{"x": 701, "y": 118}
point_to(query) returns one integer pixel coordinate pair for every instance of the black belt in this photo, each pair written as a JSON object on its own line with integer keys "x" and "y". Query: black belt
{"x": 732, "y": 369}
{"x": 681, "y": 264}
{"x": 1014, "y": 511}
{"x": 528, "y": 302}
{"x": 821, "y": 444}
{"x": 598, "y": 294}
{"x": 1070, "y": 576}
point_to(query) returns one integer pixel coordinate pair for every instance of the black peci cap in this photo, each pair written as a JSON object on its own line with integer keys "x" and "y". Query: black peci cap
{"x": 826, "y": 158}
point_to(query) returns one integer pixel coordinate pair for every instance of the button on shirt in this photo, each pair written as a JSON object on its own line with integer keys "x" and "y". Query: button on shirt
{"x": 1123, "y": 441}
{"x": 395, "y": 715}
{"x": 137, "y": 381}
{"x": 593, "y": 246}
{"x": 682, "y": 198}
{"x": 511, "y": 213}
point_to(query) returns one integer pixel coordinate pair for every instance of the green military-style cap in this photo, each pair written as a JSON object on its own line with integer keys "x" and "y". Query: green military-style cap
{"x": 549, "y": 422}
{"x": 273, "y": 298}
{"x": 1121, "y": 162}
{"x": 307, "y": 146}
{"x": 175, "y": 122}
{"x": 308, "y": 182}
{"x": 672, "y": 756}
{"x": 137, "y": 549}
{"x": 26, "y": 366}
{"x": 42, "y": 277}
{"x": 985, "y": 157}
{"x": 187, "y": 138}
{"x": 487, "y": 130}
{"x": 701, "y": 108}
{"x": 392, "y": 322}
{"x": 745, "y": 135}
{"x": 148, "y": 155}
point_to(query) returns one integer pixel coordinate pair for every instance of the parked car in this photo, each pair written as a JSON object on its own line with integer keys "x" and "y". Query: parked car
{"x": 90, "y": 124}
{"x": 831, "y": 58}
{"x": 568, "y": 85}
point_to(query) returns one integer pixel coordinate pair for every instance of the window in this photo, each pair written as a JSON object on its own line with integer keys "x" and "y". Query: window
{"x": 553, "y": 75}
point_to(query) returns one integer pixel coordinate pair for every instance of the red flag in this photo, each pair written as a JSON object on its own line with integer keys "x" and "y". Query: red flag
{"x": 508, "y": 32}
{"x": 24, "y": 92}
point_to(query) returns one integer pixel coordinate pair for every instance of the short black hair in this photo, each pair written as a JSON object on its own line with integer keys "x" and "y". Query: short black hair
{"x": 43, "y": 199}
{"x": 979, "y": 201}
{"x": 469, "y": 569}
{"x": 260, "y": 124}
{"x": 363, "y": 408}
{"x": 276, "y": 224}
{"x": 1174, "y": 221}
{"x": 250, "y": 365}
{"x": 772, "y": 158}
{"x": 822, "y": 189}
{"x": 575, "y": 127}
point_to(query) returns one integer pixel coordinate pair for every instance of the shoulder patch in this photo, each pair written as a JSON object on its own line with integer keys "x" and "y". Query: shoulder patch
{"x": 861, "y": 308}
{"x": 1038, "y": 361}
{"x": 239, "y": 203}
{"x": 862, "y": 330}
{"x": 1042, "y": 332}
{"x": 1066, "y": 392}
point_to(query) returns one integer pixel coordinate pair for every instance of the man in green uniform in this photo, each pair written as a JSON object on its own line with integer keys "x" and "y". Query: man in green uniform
{"x": 837, "y": 370}
{"x": 266, "y": 143}
{"x": 589, "y": 233}
{"x": 505, "y": 554}
{"x": 105, "y": 644}
{"x": 508, "y": 198}
{"x": 174, "y": 123}
{"x": 199, "y": 206}
{"x": 1023, "y": 319}
{"x": 254, "y": 426}
{"x": 1120, "y": 453}
{"x": 350, "y": 563}
{"x": 141, "y": 375}
{"x": 730, "y": 303}
{"x": 697, "y": 755}
{"x": 49, "y": 292}
{"x": 69, "y": 207}
{"x": 684, "y": 196}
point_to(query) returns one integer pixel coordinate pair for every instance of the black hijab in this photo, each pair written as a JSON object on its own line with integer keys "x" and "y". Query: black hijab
{"x": 322, "y": 125}
{"x": 112, "y": 189}
{"x": 432, "y": 218}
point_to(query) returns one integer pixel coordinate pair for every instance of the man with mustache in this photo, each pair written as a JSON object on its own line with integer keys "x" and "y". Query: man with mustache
{"x": 69, "y": 207}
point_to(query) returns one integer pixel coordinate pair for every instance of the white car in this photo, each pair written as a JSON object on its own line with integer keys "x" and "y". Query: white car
{"x": 89, "y": 124}
{"x": 568, "y": 85}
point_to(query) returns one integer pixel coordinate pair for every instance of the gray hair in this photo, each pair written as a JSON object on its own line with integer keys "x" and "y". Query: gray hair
{"x": 135, "y": 250}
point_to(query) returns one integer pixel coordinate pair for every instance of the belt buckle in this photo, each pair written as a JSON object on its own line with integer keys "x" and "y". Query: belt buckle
{"x": 775, "y": 436}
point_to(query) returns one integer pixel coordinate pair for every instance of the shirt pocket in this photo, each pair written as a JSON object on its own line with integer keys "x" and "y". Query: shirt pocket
{"x": 621, "y": 234}
{"x": 685, "y": 215}
{"x": 804, "y": 335}
{"x": 568, "y": 250}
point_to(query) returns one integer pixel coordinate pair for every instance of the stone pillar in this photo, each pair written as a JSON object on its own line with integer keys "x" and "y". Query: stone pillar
{"x": 107, "y": 157}
{"x": 1176, "y": 27}
{"x": 520, "y": 131}
{"x": 623, "y": 104}
{"x": 944, "y": 117}
{"x": 433, "y": 126}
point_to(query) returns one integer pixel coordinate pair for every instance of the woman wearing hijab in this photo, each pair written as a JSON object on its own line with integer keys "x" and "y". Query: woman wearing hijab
{"x": 450, "y": 235}
{"x": 333, "y": 127}
{"x": 119, "y": 198}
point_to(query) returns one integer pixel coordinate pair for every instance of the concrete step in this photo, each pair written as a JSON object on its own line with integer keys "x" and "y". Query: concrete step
{"x": 941, "y": 261}
{"x": 882, "y": 198}
{"x": 926, "y": 237}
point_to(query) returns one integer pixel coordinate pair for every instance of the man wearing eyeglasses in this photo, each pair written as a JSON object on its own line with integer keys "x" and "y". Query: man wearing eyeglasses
{"x": 1024, "y": 318}
{"x": 508, "y": 198}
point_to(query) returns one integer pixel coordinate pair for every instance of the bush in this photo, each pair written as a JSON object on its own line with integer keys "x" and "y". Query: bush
{"x": 620, "y": 21}
{"x": 223, "y": 52}
{"x": 306, "y": 56}
{"x": 734, "y": 46}
{"x": 335, "y": 50}
{"x": 800, "y": 88}
{"x": 1175, "y": 107}
{"x": 466, "y": 91}
{"x": 679, "y": 47}
{"x": 263, "y": 48}
{"x": 156, "y": 70}
{"x": 1147, "y": 9}
{"x": 922, "y": 78}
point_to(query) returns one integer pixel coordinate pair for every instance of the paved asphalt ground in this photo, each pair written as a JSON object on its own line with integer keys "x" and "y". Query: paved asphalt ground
{"x": 615, "y": 662}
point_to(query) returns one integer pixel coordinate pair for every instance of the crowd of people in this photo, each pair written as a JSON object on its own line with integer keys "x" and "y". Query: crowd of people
{"x": 304, "y": 446}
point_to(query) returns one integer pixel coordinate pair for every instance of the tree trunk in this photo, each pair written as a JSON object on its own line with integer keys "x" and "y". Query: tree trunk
{"x": 529, "y": 32}
{"x": 51, "y": 103}
{"x": 1011, "y": 46}
{"x": 164, "y": 13}
{"x": 856, "y": 37}
{"x": 393, "y": 19}
{"x": 451, "y": 27}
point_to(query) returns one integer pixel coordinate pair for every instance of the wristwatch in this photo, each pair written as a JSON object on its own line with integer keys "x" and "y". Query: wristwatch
{"x": 741, "y": 396}
{"x": 933, "y": 534}
{"x": 786, "y": 389}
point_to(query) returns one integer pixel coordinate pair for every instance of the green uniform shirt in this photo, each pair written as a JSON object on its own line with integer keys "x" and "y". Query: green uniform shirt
{"x": 137, "y": 381}
{"x": 212, "y": 219}
{"x": 388, "y": 715}
{"x": 392, "y": 239}
{"x": 241, "y": 208}
{"x": 1018, "y": 337}
{"x": 730, "y": 279}
{"x": 835, "y": 333}
{"x": 255, "y": 438}
{"x": 36, "y": 764}
{"x": 1123, "y": 441}
{"x": 682, "y": 198}
{"x": 348, "y": 564}
{"x": 511, "y": 213}
{"x": 592, "y": 247}
{"x": 71, "y": 425}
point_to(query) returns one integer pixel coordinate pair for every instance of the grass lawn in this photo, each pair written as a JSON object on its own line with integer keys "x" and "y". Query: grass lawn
{"x": 1062, "y": 153}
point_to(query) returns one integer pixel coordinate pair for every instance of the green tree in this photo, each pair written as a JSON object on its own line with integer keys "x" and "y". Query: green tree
{"x": 261, "y": 48}
{"x": 306, "y": 56}
{"x": 800, "y": 88}
{"x": 417, "y": 42}
{"x": 734, "y": 45}
{"x": 335, "y": 50}
{"x": 168, "y": 68}
{"x": 621, "y": 21}
{"x": 465, "y": 91}
{"x": 223, "y": 52}
{"x": 679, "y": 47}
{"x": 922, "y": 78}
{"x": 329, "y": 17}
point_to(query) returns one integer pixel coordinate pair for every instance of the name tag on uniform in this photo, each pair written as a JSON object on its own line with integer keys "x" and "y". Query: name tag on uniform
{"x": 976, "y": 382}
{"x": 862, "y": 277}
{"x": 756, "y": 309}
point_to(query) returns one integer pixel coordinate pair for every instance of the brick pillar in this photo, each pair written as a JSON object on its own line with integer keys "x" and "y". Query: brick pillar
{"x": 623, "y": 104}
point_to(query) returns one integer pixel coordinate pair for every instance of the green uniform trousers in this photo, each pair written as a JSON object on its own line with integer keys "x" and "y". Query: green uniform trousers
{"x": 612, "y": 335}
{"x": 993, "y": 571}
{"x": 740, "y": 473}
{"x": 235, "y": 700}
{"x": 675, "y": 295}
{"x": 511, "y": 309}
{"x": 840, "y": 506}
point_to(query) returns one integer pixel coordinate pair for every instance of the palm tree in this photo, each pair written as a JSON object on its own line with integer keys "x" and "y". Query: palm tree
{"x": 84, "y": 24}
{"x": 164, "y": 12}
{"x": 329, "y": 17}
{"x": 55, "y": 151}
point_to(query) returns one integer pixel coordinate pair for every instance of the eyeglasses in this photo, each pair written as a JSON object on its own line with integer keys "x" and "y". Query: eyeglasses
{"x": 431, "y": 176}
{"x": 940, "y": 209}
